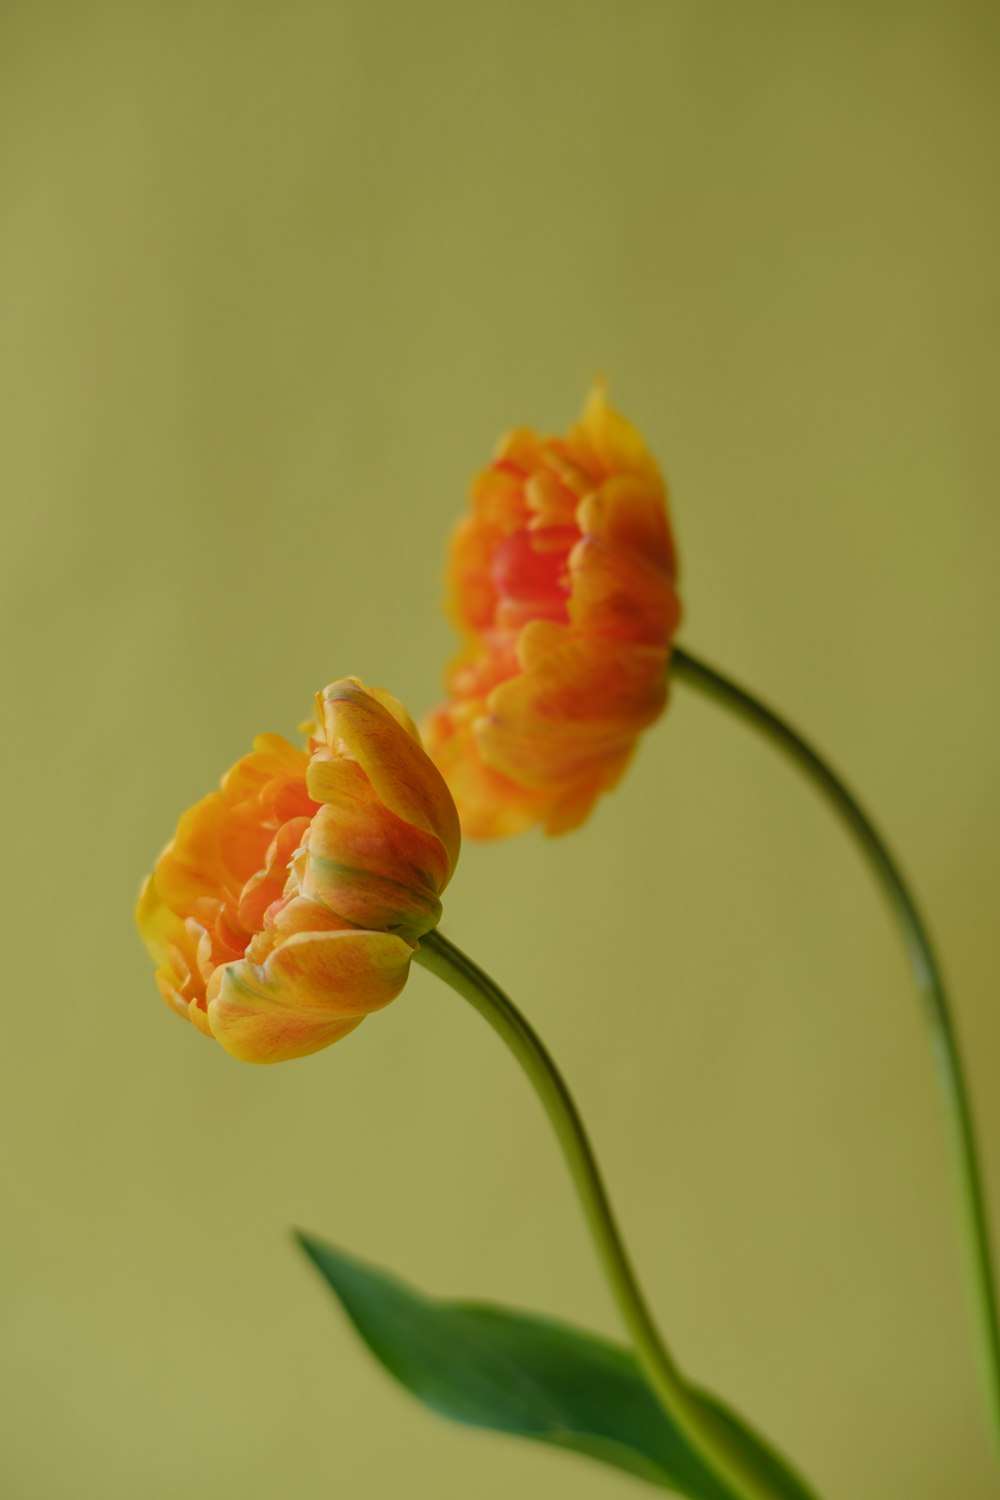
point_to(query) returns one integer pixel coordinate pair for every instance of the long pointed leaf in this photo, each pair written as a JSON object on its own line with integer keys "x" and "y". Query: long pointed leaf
{"x": 514, "y": 1372}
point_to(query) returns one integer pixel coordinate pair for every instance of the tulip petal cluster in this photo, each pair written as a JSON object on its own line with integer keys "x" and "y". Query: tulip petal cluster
{"x": 562, "y": 582}
{"x": 289, "y": 903}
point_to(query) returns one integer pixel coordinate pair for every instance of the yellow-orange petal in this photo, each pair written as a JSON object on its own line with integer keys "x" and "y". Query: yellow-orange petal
{"x": 472, "y": 594}
{"x": 496, "y": 493}
{"x": 402, "y": 775}
{"x": 604, "y": 440}
{"x": 631, "y": 516}
{"x": 173, "y": 942}
{"x": 620, "y": 597}
{"x": 310, "y": 991}
{"x": 492, "y": 805}
{"x": 155, "y": 921}
{"x": 576, "y": 687}
{"x": 191, "y": 867}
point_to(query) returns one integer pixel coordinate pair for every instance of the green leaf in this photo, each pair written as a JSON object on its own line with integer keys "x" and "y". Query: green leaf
{"x": 514, "y": 1372}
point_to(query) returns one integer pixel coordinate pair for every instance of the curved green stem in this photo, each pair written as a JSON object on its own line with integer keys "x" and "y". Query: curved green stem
{"x": 717, "y": 1445}
{"x": 930, "y": 984}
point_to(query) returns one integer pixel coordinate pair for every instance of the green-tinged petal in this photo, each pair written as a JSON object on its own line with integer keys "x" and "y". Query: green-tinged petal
{"x": 375, "y": 870}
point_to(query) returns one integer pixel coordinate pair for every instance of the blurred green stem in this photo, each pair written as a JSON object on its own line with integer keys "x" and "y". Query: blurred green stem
{"x": 975, "y": 1224}
{"x": 717, "y": 1445}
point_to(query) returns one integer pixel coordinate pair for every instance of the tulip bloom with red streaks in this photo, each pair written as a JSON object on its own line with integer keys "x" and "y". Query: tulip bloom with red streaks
{"x": 562, "y": 582}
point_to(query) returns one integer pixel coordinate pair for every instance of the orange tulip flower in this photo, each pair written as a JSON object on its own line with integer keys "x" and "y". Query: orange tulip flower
{"x": 562, "y": 583}
{"x": 289, "y": 903}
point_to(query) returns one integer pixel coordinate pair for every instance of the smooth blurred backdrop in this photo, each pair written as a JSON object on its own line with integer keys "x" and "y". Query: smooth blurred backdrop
{"x": 273, "y": 279}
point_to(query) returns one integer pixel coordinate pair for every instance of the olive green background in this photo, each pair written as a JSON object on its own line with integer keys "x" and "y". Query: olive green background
{"x": 273, "y": 279}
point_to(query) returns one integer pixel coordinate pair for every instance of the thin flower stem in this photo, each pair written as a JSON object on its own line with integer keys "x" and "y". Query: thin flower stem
{"x": 716, "y": 1444}
{"x": 975, "y": 1222}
